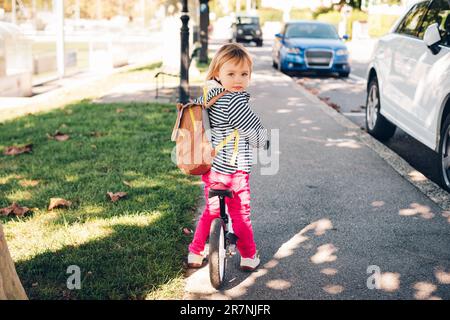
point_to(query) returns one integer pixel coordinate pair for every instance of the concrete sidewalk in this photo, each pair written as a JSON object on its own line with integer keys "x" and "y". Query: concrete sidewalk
{"x": 334, "y": 213}
{"x": 118, "y": 85}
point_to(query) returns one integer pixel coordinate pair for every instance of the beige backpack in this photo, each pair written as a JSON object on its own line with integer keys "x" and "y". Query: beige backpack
{"x": 192, "y": 135}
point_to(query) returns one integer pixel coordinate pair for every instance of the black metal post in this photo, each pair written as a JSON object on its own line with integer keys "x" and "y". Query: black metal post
{"x": 204, "y": 22}
{"x": 184, "y": 61}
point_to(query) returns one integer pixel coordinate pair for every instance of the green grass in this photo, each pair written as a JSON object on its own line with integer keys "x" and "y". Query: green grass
{"x": 201, "y": 66}
{"x": 150, "y": 67}
{"x": 130, "y": 249}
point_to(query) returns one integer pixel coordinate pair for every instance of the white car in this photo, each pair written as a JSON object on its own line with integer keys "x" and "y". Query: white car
{"x": 408, "y": 80}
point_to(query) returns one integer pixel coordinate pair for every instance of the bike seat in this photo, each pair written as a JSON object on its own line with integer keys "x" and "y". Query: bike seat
{"x": 219, "y": 189}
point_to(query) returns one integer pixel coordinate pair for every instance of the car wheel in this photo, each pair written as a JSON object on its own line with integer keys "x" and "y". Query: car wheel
{"x": 344, "y": 74}
{"x": 259, "y": 43}
{"x": 444, "y": 152}
{"x": 377, "y": 125}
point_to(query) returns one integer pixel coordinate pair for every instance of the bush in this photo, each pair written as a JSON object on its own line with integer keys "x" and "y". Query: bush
{"x": 332, "y": 17}
{"x": 380, "y": 24}
{"x": 320, "y": 11}
{"x": 269, "y": 14}
{"x": 301, "y": 14}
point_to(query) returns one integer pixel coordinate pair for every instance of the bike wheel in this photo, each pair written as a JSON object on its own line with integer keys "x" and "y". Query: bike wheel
{"x": 217, "y": 253}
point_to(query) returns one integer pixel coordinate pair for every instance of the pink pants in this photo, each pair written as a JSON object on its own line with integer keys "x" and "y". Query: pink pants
{"x": 238, "y": 209}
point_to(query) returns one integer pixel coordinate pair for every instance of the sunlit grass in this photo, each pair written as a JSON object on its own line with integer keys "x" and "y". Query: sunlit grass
{"x": 130, "y": 249}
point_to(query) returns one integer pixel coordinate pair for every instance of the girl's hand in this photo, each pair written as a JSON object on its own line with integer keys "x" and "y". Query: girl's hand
{"x": 267, "y": 145}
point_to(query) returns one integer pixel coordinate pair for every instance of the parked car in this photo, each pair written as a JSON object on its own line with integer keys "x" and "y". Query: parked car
{"x": 409, "y": 80}
{"x": 310, "y": 46}
{"x": 246, "y": 28}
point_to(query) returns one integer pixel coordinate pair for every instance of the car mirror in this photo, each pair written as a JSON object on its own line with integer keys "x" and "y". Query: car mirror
{"x": 432, "y": 37}
{"x": 345, "y": 37}
{"x": 279, "y": 36}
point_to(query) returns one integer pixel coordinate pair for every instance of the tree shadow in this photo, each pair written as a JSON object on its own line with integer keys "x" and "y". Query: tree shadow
{"x": 132, "y": 262}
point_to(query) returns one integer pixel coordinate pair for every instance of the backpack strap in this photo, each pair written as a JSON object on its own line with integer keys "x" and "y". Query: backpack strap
{"x": 213, "y": 100}
{"x": 224, "y": 142}
{"x": 234, "y": 134}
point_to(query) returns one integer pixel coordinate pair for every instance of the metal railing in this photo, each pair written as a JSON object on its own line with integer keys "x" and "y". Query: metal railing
{"x": 194, "y": 54}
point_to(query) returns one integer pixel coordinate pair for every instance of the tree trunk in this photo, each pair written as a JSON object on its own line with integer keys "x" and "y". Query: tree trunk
{"x": 10, "y": 286}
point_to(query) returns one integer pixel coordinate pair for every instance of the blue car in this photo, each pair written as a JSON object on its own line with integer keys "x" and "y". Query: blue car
{"x": 305, "y": 46}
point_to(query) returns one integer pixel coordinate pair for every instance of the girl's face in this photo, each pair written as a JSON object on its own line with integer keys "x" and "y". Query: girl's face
{"x": 234, "y": 77}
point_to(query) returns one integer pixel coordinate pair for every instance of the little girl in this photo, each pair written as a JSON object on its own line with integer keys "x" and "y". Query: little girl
{"x": 230, "y": 70}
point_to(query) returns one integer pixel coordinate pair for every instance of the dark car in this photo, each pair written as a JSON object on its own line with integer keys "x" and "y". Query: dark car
{"x": 247, "y": 29}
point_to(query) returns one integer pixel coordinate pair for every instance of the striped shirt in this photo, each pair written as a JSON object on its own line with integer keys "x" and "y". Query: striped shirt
{"x": 231, "y": 112}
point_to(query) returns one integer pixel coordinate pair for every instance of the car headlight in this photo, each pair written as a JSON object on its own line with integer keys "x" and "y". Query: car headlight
{"x": 293, "y": 50}
{"x": 342, "y": 52}
{"x": 240, "y": 31}
{"x": 258, "y": 32}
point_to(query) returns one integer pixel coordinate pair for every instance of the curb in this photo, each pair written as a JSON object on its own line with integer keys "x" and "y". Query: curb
{"x": 434, "y": 192}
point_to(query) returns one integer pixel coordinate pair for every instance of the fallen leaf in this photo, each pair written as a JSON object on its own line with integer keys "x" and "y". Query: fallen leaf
{"x": 14, "y": 209}
{"x": 335, "y": 106}
{"x": 59, "y": 136}
{"x": 35, "y": 284}
{"x": 13, "y": 150}
{"x": 119, "y": 110}
{"x": 187, "y": 231}
{"x": 67, "y": 295}
{"x": 116, "y": 196}
{"x": 96, "y": 134}
{"x": 58, "y": 202}
{"x": 5, "y": 211}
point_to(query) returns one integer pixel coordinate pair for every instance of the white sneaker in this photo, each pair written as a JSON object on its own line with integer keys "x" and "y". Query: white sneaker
{"x": 195, "y": 260}
{"x": 250, "y": 264}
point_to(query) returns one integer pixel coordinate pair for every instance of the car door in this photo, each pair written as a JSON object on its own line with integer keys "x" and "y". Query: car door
{"x": 432, "y": 73}
{"x": 406, "y": 50}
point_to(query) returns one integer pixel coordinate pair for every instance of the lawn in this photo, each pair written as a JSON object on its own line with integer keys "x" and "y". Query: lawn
{"x": 129, "y": 249}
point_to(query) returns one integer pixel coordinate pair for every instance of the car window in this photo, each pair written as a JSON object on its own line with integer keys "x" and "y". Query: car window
{"x": 247, "y": 20}
{"x": 413, "y": 20}
{"x": 439, "y": 13}
{"x": 311, "y": 30}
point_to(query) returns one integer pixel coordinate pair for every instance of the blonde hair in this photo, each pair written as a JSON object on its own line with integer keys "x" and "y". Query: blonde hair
{"x": 230, "y": 51}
